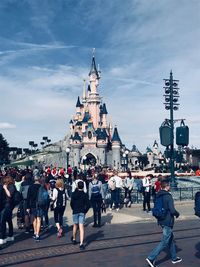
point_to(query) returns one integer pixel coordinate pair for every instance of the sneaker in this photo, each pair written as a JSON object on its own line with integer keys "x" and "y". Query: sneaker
{"x": 3, "y": 241}
{"x": 110, "y": 209}
{"x": 82, "y": 247}
{"x": 27, "y": 231}
{"x": 73, "y": 241}
{"x": 117, "y": 209}
{"x": 176, "y": 260}
{"x": 61, "y": 231}
{"x": 10, "y": 238}
{"x": 150, "y": 262}
{"x": 37, "y": 238}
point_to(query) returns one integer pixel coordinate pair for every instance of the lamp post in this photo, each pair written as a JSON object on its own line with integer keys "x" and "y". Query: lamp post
{"x": 126, "y": 153}
{"x": 67, "y": 153}
{"x": 171, "y": 103}
{"x": 124, "y": 161}
{"x": 84, "y": 159}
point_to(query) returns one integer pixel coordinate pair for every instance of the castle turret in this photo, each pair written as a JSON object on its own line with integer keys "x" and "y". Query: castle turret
{"x": 76, "y": 145}
{"x": 71, "y": 127}
{"x": 104, "y": 116}
{"x": 94, "y": 98}
{"x": 102, "y": 144}
{"x": 116, "y": 146}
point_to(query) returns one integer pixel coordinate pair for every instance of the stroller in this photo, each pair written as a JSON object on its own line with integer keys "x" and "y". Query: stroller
{"x": 20, "y": 216}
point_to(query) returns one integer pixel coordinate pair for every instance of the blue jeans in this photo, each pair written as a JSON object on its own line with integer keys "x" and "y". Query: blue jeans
{"x": 104, "y": 190}
{"x": 167, "y": 240}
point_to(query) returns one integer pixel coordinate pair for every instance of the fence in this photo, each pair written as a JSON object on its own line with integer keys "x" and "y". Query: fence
{"x": 179, "y": 194}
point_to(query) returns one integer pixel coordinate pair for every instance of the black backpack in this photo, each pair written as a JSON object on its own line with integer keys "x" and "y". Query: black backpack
{"x": 158, "y": 210}
{"x": 197, "y": 204}
{"x": 61, "y": 198}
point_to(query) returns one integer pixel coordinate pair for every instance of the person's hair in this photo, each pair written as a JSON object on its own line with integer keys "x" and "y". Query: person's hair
{"x": 80, "y": 185}
{"x": 95, "y": 176}
{"x": 8, "y": 180}
{"x": 164, "y": 183}
{"x": 18, "y": 178}
{"x": 115, "y": 172}
{"x": 59, "y": 183}
{"x": 36, "y": 178}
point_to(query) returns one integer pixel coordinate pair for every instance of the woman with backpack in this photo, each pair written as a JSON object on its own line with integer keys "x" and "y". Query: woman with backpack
{"x": 95, "y": 196}
{"x": 59, "y": 198}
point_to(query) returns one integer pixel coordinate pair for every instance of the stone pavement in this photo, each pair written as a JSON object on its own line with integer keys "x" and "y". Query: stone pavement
{"x": 125, "y": 239}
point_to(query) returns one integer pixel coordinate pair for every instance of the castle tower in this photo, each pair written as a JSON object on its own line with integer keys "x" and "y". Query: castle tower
{"x": 116, "y": 146}
{"x": 104, "y": 116}
{"x": 93, "y": 97}
{"x": 76, "y": 146}
{"x": 91, "y": 133}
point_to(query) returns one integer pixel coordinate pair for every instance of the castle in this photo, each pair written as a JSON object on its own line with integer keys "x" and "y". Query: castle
{"x": 92, "y": 140}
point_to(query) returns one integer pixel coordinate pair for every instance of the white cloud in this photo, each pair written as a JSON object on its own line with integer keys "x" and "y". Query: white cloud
{"x": 6, "y": 125}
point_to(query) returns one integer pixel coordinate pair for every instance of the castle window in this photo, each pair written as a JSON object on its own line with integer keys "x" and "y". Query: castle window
{"x": 89, "y": 135}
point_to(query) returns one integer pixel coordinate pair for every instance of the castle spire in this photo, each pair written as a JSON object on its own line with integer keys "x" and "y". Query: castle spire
{"x": 116, "y": 137}
{"x": 78, "y": 103}
{"x": 84, "y": 91}
{"x": 93, "y": 69}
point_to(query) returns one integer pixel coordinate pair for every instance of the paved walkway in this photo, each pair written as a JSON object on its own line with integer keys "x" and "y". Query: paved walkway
{"x": 125, "y": 240}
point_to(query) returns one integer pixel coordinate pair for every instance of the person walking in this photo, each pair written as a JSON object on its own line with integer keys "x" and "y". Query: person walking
{"x": 59, "y": 201}
{"x": 28, "y": 180}
{"x": 95, "y": 196}
{"x": 166, "y": 223}
{"x": 80, "y": 205}
{"x": 36, "y": 212}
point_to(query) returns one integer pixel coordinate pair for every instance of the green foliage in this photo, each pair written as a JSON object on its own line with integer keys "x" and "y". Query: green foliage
{"x": 4, "y": 150}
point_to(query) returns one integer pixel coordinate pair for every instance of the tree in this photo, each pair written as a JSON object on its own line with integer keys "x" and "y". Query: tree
{"x": 4, "y": 150}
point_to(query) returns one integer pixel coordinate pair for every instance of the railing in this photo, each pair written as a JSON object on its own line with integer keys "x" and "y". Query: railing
{"x": 179, "y": 194}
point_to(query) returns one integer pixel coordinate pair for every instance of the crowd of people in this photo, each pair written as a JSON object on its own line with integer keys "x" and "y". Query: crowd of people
{"x": 36, "y": 191}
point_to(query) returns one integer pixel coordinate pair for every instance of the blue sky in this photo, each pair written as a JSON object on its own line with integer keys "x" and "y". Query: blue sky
{"x": 45, "y": 53}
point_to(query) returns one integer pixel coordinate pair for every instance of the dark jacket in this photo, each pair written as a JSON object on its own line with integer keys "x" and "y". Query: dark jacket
{"x": 79, "y": 202}
{"x": 2, "y": 198}
{"x": 32, "y": 196}
{"x": 9, "y": 202}
{"x": 168, "y": 205}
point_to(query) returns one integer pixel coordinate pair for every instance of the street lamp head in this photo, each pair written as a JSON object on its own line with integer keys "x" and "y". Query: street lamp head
{"x": 67, "y": 150}
{"x": 167, "y": 83}
{"x": 175, "y": 92}
{"x": 175, "y": 84}
{"x": 167, "y": 107}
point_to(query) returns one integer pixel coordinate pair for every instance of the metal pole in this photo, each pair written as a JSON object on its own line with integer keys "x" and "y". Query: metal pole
{"x": 67, "y": 160}
{"x": 173, "y": 182}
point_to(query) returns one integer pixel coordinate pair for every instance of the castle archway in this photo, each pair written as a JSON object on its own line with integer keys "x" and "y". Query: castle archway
{"x": 89, "y": 160}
